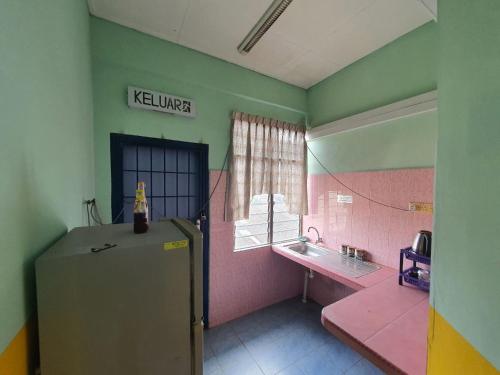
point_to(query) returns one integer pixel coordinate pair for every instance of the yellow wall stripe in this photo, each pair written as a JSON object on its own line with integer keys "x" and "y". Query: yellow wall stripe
{"x": 19, "y": 357}
{"x": 450, "y": 353}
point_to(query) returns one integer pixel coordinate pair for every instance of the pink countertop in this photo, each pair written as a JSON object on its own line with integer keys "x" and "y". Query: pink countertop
{"x": 388, "y": 319}
{"x": 403, "y": 342}
{"x": 321, "y": 265}
{"x": 365, "y": 313}
{"x": 383, "y": 317}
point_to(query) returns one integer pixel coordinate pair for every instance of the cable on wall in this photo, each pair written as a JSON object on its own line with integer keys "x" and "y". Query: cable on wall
{"x": 352, "y": 190}
{"x": 94, "y": 212}
{"x": 216, "y": 183}
{"x": 88, "y": 212}
{"x": 118, "y": 216}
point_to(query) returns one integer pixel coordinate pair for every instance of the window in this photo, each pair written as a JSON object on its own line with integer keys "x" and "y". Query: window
{"x": 269, "y": 222}
{"x": 172, "y": 176}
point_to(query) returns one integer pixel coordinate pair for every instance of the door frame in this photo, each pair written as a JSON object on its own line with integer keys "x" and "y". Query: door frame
{"x": 117, "y": 141}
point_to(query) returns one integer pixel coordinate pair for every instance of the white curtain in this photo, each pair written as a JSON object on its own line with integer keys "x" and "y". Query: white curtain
{"x": 267, "y": 157}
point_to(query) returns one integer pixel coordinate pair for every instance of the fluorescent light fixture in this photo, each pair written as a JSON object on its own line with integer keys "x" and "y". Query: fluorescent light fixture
{"x": 265, "y": 22}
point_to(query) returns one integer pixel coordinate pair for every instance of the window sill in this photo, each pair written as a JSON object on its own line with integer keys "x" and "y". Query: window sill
{"x": 252, "y": 248}
{"x": 265, "y": 245}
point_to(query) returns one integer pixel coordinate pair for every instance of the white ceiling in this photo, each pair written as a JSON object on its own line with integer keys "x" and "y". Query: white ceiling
{"x": 310, "y": 41}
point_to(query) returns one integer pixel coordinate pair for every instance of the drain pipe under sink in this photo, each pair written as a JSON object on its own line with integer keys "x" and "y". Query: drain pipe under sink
{"x": 308, "y": 274}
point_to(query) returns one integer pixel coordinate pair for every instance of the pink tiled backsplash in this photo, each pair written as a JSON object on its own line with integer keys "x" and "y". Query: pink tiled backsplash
{"x": 380, "y": 230}
{"x": 242, "y": 282}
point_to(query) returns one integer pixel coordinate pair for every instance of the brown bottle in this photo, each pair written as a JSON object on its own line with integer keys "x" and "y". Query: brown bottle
{"x": 141, "y": 221}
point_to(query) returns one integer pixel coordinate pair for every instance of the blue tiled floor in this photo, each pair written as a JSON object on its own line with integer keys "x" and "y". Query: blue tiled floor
{"x": 284, "y": 339}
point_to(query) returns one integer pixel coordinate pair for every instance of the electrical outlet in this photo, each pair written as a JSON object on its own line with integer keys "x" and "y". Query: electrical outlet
{"x": 344, "y": 198}
{"x": 420, "y": 207}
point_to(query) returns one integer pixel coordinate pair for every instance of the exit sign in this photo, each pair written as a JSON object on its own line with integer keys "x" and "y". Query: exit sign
{"x": 160, "y": 102}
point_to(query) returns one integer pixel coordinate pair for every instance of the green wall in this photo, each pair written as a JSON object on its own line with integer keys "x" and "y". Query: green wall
{"x": 402, "y": 69}
{"x": 404, "y": 143}
{"x": 123, "y": 57}
{"x": 466, "y": 264}
{"x": 46, "y": 160}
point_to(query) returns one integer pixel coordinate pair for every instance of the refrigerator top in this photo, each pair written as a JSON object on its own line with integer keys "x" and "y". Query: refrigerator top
{"x": 80, "y": 241}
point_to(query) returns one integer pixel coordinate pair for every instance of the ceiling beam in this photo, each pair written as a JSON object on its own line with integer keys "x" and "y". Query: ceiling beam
{"x": 404, "y": 108}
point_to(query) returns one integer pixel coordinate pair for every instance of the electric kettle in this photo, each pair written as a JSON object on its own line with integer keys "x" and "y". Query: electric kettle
{"x": 422, "y": 243}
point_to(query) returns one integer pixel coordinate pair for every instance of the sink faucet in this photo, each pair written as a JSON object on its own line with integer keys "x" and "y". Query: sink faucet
{"x": 319, "y": 239}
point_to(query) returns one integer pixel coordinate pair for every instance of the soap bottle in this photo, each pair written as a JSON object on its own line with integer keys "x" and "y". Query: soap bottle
{"x": 141, "y": 221}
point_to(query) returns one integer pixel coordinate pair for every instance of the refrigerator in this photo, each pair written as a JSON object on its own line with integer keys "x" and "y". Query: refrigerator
{"x": 111, "y": 302}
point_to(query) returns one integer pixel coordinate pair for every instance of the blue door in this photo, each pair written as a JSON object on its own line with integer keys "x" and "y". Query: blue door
{"x": 176, "y": 178}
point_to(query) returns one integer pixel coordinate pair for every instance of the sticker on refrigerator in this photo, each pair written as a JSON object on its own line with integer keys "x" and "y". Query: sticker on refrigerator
{"x": 175, "y": 245}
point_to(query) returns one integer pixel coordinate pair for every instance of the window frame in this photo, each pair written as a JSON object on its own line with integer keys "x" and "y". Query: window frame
{"x": 270, "y": 229}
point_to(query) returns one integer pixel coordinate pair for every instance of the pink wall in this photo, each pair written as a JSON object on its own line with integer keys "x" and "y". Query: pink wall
{"x": 244, "y": 281}
{"x": 380, "y": 230}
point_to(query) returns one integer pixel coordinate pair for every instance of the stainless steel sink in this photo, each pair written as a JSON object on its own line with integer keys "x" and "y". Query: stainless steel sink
{"x": 337, "y": 262}
{"x": 308, "y": 250}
